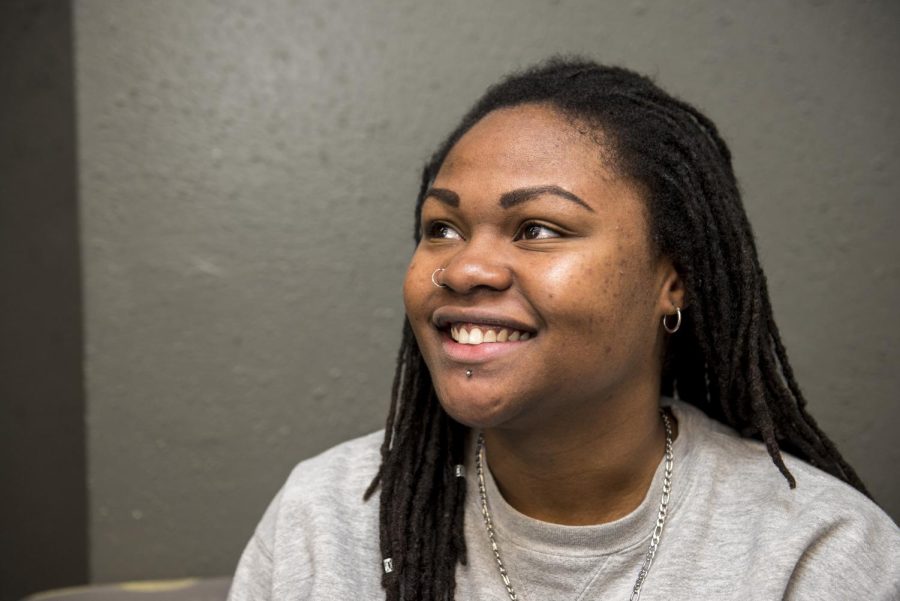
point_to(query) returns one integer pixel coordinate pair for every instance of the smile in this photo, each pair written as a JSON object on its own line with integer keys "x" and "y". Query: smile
{"x": 474, "y": 334}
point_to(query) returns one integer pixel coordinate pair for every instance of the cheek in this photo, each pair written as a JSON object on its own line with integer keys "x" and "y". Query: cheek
{"x": 419, "y": 295}
{"x": 597, "y": 298}
{"x": 413, "y": 293}
{"x": 563, "y": 279}
{"x": 574, "y": 295}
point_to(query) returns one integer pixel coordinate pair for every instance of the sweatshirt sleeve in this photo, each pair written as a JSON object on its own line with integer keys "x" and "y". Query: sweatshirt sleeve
{"x": 253, "y": 577}
{"x": 852, "y": 558}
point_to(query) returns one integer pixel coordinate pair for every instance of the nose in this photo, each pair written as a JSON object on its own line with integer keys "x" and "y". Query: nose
{"x": 478, "y": 266}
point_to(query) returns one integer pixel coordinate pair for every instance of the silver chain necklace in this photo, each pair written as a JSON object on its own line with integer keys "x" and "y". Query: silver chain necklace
{"x": 654, "y": 539}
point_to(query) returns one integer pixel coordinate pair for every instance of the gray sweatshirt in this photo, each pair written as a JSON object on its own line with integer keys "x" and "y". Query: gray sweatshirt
{"x": 735, "y": 531}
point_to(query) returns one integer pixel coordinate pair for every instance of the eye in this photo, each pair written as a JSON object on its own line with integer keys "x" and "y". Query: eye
{"x": 536, "y": 231}
{"x": 440, "y": 230}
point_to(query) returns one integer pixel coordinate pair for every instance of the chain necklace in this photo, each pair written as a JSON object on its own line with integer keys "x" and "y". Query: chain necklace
{"x": 654, "y": 539}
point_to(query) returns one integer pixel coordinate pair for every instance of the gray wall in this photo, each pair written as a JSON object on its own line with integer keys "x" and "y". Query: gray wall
{"x": 43, "y": 496}
{"x": 247, "y": 174}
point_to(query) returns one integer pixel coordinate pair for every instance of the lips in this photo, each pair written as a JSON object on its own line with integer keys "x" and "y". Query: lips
{"x": 476, "y": 336}
{"x": 467, "y": 319}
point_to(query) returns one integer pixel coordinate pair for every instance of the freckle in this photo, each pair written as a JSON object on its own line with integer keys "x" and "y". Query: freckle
{"x": 607, "y": 349}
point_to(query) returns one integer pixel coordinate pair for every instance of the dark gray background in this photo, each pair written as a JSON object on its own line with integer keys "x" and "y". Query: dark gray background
{"x": 246, "y": 176}
{"x": 43, "y": 496}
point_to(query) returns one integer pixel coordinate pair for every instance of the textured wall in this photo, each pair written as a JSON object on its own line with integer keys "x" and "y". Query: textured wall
{"x": 43, "y": 497}
{"x": 247, "y": 177}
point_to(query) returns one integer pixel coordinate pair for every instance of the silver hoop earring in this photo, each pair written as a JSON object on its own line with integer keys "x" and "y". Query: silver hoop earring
{"x": 434, "y": 278}
{"x": 677, "y": 325}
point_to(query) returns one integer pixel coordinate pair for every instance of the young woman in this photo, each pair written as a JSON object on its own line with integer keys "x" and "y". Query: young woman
{"x": 592, "y": 400}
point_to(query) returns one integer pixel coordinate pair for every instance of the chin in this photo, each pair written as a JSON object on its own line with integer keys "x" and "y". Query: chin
{"x": 476, "y": 411}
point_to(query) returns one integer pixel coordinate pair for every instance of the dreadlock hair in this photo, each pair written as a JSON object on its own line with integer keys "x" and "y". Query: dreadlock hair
{"x": 728, "y": 357}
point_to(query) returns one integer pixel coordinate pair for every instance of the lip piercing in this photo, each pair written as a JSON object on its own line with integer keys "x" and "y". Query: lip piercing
{"x": 434, "y": 277}
{"x": 468, "y": 373}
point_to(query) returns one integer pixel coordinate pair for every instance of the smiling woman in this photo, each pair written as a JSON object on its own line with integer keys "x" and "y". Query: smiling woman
{"x": 590, "y": 385}
{"x": 576, "y": 278}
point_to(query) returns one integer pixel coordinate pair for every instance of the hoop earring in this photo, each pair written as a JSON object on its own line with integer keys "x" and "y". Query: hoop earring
{"x": 673, "y": 329}
{"x": 433, "y": 278}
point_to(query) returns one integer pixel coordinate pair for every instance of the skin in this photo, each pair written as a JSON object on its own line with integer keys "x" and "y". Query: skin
{"x": 570, "y": 416}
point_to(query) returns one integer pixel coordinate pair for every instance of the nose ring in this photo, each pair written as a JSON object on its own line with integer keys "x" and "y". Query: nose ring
{"x": 434, "y": 277}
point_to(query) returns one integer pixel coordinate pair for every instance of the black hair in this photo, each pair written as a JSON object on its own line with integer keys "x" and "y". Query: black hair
{"x": 727, "y": 358}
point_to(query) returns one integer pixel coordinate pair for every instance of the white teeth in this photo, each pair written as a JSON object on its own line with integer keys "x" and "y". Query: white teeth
{"x": 476, "y": 335}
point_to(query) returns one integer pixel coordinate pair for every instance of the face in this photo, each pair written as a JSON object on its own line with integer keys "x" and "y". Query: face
{"x": 552, "y": 296}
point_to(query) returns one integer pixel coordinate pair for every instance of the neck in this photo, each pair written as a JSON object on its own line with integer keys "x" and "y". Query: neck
{"x": 585, "y": 470}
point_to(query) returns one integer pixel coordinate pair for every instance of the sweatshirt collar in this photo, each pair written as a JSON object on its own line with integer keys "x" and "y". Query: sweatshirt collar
{"x": 596, "y": 540}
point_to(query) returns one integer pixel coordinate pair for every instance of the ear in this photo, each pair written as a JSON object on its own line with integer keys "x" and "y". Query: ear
{"x": 671, "y": 290}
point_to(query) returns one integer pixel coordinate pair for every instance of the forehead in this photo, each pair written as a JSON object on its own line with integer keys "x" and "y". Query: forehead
{"x": 535, "y": 145}
{"x": 528, "y": 144}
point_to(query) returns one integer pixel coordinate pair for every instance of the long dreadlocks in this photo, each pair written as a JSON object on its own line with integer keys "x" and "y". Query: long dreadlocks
{"x": 728, "y": 357}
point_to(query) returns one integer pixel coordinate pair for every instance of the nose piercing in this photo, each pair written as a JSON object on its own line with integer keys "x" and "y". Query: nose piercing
{"x": 434, "y": 277}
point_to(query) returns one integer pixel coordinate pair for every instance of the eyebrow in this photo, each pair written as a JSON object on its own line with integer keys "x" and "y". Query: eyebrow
{"x": 511, "y": 198}
{"x": 520, "y": 195}
{"x": 448, "y": 197}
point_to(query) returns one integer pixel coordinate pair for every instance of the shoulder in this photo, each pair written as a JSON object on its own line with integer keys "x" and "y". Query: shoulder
{"x": 346, "y": 468}
{"x": 745, "y": 466}
{"x": 821, "y": 535}
{"x": 324, "y": 493}
{"x": 317, "y": 520}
